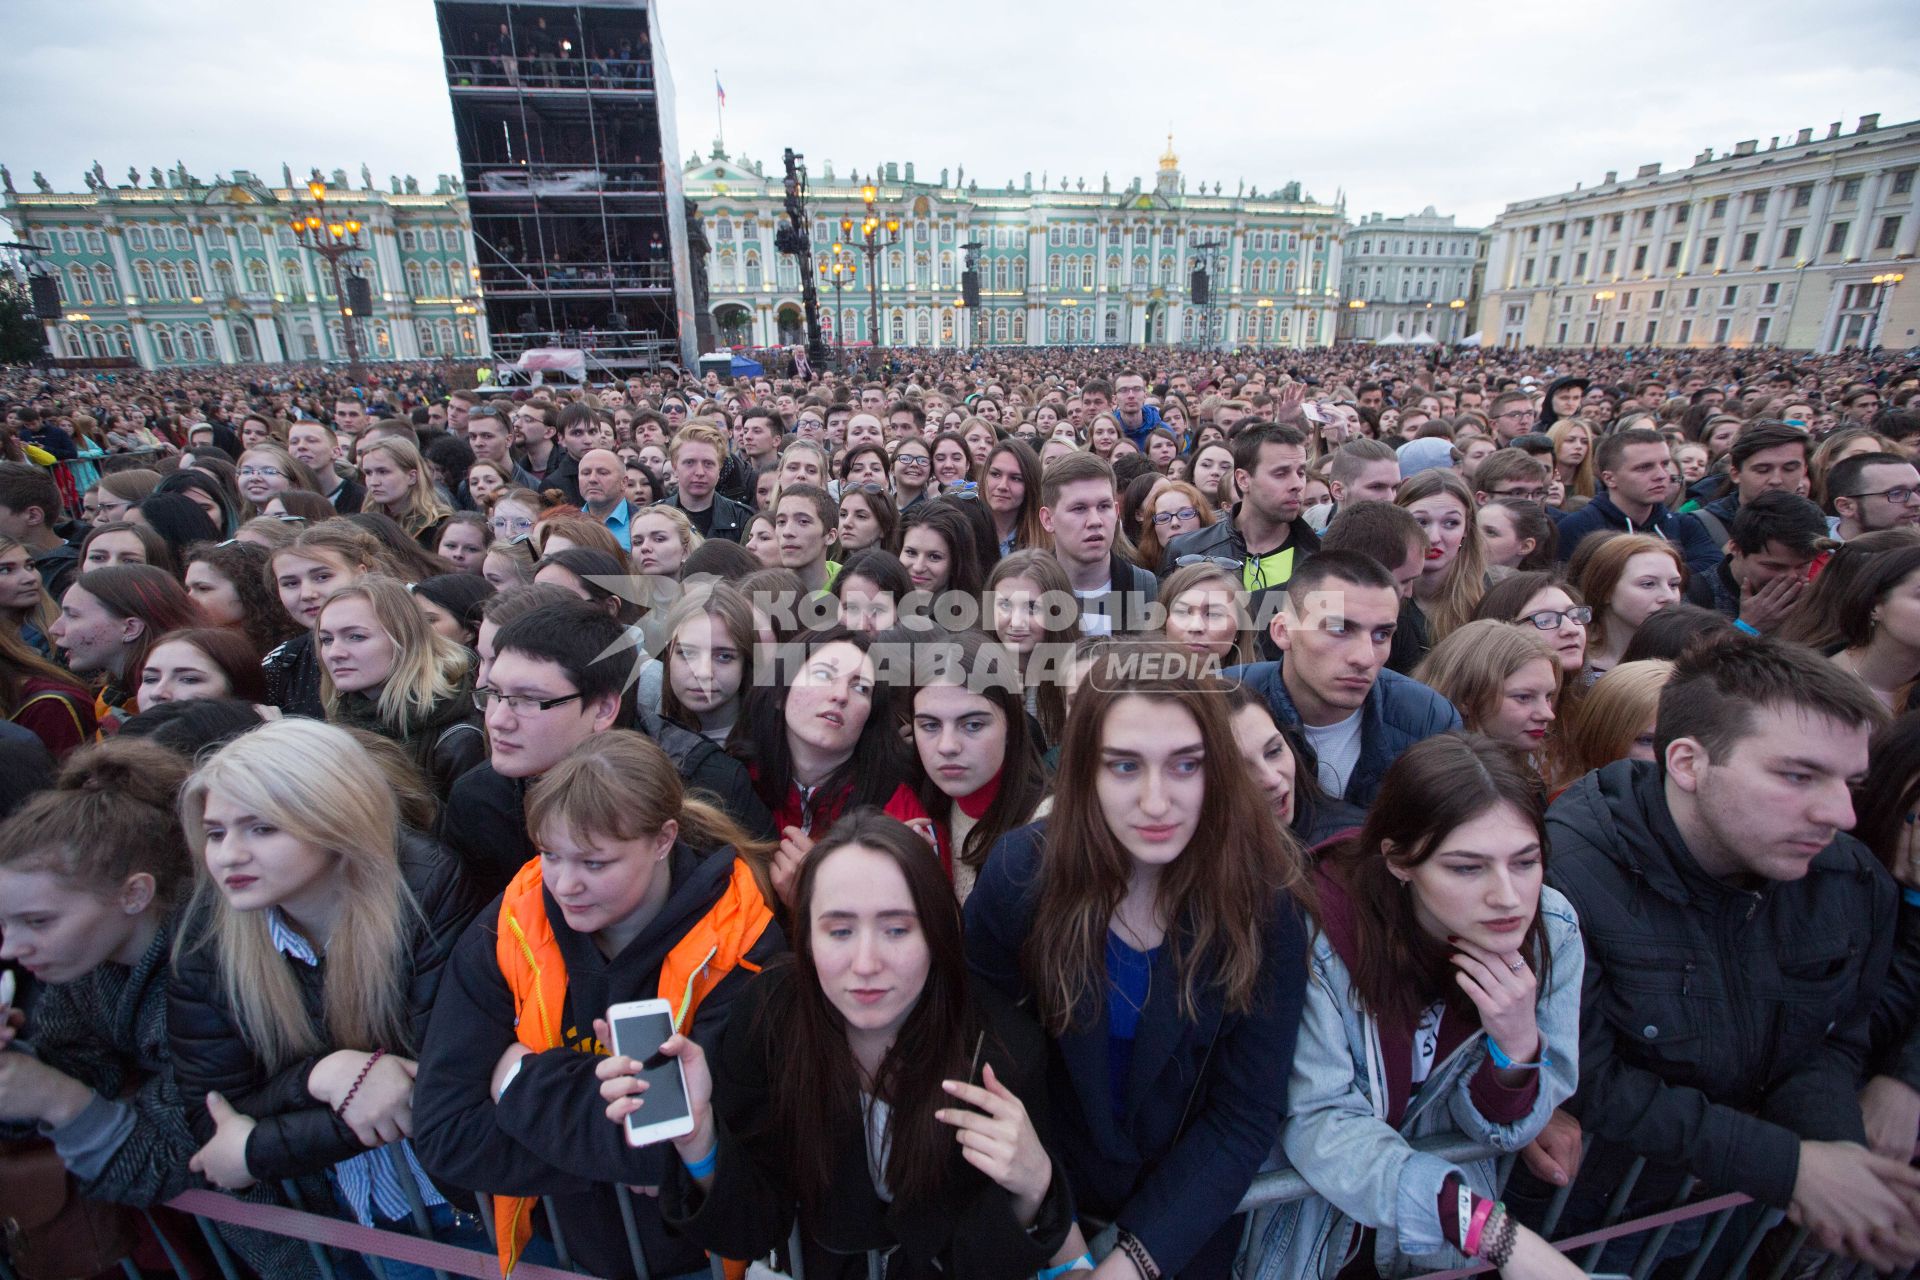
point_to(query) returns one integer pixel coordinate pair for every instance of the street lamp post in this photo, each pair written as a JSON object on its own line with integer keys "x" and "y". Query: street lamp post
{"x": 333, "y": 236}
{"x": 1882, "y": 283}
{"x": 871, "y": 243}
{"x": 838, "y": 269}
{"x": 1453, "y": 328}
{"x": 1354, "y": 307}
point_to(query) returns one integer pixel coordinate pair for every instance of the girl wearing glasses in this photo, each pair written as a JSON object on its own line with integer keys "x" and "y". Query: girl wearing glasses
{"x": 514, "y": 513}
{"x": 386, "y": 670}
{"x": 1536, "y": 601}
{"x": 912, "y": 474}
{"x": 267, "y": 469}
{"x": 1173, "y": 507}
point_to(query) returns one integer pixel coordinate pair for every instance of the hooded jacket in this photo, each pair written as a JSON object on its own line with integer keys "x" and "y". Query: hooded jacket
{"x": 1700, "y": 541}
{"x": 1601, "y": 516}
{"x": 1149, "y": 419}
{"x": 548, "y": 1135}
{"x": 446, "y": 743}
{"x": 1399, "y": 711}
{"x": 1720, "y": 1025}
{"x": 1548, "y": 416}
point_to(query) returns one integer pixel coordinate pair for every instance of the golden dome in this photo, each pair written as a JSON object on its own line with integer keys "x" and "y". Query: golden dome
{"x": 1168, "y": 160}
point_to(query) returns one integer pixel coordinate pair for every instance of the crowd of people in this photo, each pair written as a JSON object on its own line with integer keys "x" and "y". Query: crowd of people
{"x": 1049, "y": 787}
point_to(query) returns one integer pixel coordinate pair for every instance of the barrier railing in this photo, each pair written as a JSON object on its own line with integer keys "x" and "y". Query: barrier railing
{"x": 327, "y": 1236}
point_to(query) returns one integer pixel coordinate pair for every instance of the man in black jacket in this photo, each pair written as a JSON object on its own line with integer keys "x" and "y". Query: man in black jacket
{"x": 695, "y": 455}
{"x": 1736, "y": 945}
{"x": 559, "y": 676}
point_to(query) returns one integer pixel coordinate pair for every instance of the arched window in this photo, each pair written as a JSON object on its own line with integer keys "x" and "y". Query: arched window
{"x": 1000, "y": 326}
{"x": 222, "y": 279}
{"x": 243, "y": 342}
{"x": 1020, "y": 273}
{"x": 1140, "y": 236}
{"x": 786, "y": 269}
{"x": 897, "y": 329}
{"x": 436, "y": 280}
{"x": 105, "y": 285}
{"x": 1290, "y": 278}
{"x": 1113, "y": 272}
{"x": 190, "y": 272}
{"x": 753, "y": 269}
{"x": 309, "y": 342}
{"x": 416, "y": 280}
{"x": 946, "y": 324}
{"x": 69, "y": 242}
{"x": 189, "y": 349}
{"x": 896, "y": 269}
{"x": 122, "y": 341}
{"x": 1053, "y": 273}
{"x": 143, "y": 272}
{"x": 724, "y": 229}
{"x": 1053, "y": 241}
{"x": 724, "y": 270}
{"x": 82, "y": 285}
{"x": 67, "y": 342}
{"x": 169, "y": 281}
{"x": 423, "y": 335}
{"x": 1019, "y": 326}
{"x": 1166, "y": 271}
{"x": 468, "y": 343}
{"x": 180, "y": 238}
{"x": 923, "y": 323}
{"x": 382, "y": 341}
{"x": 1286, "y": 324}
{"x": 96, "y": 342}
{"x": 257, "y": 280}
{"x": 946, "y": 271}
{"x": 1113, "y": 326}
{"x": 1000, "y": 275}
{"x": 922, "y": 270}
{"x": 1053, "y": 325}
{"x": 208, "y": 343}
{"x": 443, "y": 329}
{"x": 95, "y": 244}
{"x": 1140, "y": 272}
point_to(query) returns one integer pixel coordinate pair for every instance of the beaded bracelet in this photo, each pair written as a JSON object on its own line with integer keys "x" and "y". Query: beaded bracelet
{"x": 358, "y": 1080}
{"x": 1137, "y": 1254}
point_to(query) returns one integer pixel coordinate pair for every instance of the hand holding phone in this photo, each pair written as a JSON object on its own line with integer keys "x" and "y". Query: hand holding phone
{"x": 645, "y": 1082}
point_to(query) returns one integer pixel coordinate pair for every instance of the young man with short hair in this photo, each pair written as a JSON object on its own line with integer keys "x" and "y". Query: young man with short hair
{"x": 1096, "y": 398}
{"x": 349, "y": 417}
{"x": 491, "y": 441}
{"x": 1266, "y": 532}
{"x": 316, "y": 445}
{"x": 1334, "y": 632}
{"x": 1736, "y": 945}
{"x": 31, "y": 513}
{"x": 805, "y": 531}
{"x": 1360, "y": 470}
{"x": 1510, "y": 473}
{"x": 1512, "y": 415}
{"x": 1765, "y": 456}
{"x": 1388, "y": 533}
{"x": 695, "y": 453}
{"x": 540, "y": 454}
{"x": 1872, "y": 491}
{"x": 1079, "y": 508}
{"x": 1135, "y": 416}
{"x": 459, "y": 405}
{"x": 1632, "y": 468}
{"x": 558, "y": 676}
{"x": 906, "y": 421}
{"x": 1764, "y": 572}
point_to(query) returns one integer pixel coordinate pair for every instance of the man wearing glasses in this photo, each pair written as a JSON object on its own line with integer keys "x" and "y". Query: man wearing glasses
{"x": 1513, "y": 416}
{"x": 559, "y": 676}
{"x": 1872, "y": 491}
{"x": 1135, "y": 415}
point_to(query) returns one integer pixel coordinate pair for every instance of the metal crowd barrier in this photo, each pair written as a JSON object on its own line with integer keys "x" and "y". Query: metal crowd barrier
{"x": 330, "y": 1239}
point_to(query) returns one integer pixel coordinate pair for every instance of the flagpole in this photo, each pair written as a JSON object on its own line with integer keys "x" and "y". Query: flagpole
{"x": 719, "y": 110}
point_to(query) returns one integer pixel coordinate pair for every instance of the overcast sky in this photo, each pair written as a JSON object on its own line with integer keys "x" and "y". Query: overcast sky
{"x": 1463, "y": 104}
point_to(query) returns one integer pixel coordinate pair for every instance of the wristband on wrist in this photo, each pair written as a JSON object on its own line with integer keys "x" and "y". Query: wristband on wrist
{"x": 1500, "y": 1246}
{"x": 1741, "y": 624}
{"x": 1082, "y": 1263}
{"x": 358, "y": 1080}
{"x": 1137, "y": 1254}
{"x": 1912, "y": 897}
{"x": 704, "y": 1165}
{"x": 1501, "y": 1060}
{"x": 1471, "y": 1245}
{"x": 1463, "y": 1210}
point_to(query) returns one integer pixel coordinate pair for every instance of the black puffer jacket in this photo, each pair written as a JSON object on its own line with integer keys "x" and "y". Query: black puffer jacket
{"x": 293, "y": 678}
{"x": 1720, "y": 1025}
{"x": 297, "y": 1135}
{"x": 445, "y": 744}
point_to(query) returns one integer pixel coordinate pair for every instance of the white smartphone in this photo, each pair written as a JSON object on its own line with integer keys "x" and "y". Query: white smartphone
{"x": 640, "y": 1027}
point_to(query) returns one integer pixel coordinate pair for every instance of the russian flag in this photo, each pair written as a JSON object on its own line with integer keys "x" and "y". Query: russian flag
{"x": 718, "y": 90}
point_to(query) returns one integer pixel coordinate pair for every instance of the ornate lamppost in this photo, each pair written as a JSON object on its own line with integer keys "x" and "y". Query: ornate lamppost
{"x": 838, "y": 269}
{"x": 872, "y": 242}
{"x": 333, "y": 234}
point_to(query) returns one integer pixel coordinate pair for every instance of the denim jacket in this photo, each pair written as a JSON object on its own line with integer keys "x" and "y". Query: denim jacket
{"x": 1365, "y": 1172}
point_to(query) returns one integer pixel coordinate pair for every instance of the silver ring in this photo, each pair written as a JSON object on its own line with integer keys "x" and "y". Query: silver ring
{"x": 1517, "y": 965}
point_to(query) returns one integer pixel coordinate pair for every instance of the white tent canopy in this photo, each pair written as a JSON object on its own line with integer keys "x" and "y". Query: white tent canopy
{"x": 1424, "y": 339}
{"x": 1471, "y": 340}
{"x": 1391, "y": 340}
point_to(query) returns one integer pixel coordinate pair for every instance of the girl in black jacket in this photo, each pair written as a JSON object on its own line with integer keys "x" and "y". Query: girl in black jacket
{"x": 866, "y": 1087}
{"x": 306, "y": 968}
{"x": 384, "y": 669}
{"x": 90, "y": 873}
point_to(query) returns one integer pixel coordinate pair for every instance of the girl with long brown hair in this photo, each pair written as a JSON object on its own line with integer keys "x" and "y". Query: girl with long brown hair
{"x": 868, "y": 1088}
{"x": 1153, "y": 921}
{"x": 1019, "y": 591}
{"x": 1445, "y": 1003}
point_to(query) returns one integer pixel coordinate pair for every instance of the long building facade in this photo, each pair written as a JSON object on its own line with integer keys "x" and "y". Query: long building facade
{"x": 1775, "y": 246}
{"x": 1408, "y": 277}
{"x": 1060, "y": 262}
{"x": 175, "y": 272}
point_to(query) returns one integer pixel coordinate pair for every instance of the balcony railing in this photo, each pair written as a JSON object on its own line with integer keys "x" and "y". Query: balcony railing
{"x": 548, "y": 181}
{"x": 513, "y": 277}
{"x": 490, "y": 71}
